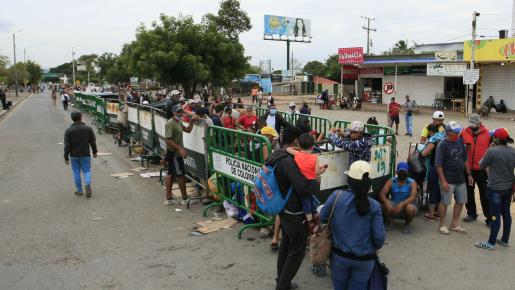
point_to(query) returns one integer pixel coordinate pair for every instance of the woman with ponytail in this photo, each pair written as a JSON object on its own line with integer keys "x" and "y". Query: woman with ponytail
{"x": 357, "y": 230}
{"x": 500, "y": 162}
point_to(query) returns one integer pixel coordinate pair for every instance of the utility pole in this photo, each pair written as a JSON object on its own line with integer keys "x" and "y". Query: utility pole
{"x": 73, "y": 66}
{"x": 15, "y": 68}
{"x": 368, "y": 29}
{"x": 470, "y": 93}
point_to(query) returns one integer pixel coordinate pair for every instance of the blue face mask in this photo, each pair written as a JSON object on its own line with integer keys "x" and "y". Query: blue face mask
{"x": 273, "y": 112}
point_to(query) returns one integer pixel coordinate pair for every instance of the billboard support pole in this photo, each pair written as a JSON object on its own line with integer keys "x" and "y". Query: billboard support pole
{"x": 287, "y": 54}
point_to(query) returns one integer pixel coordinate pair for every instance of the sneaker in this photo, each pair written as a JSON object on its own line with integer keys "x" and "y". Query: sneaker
{"x": 469, "y": 219}
{"x": 171, "y": 202}
{"x": 88, "y": 191}
{"x": 184, "y": 202}
{"x": 406, "y": 229}
{"x": 485, "y": 245}
{"x": 78, "y": 193}
{"x": 504, "y": 244}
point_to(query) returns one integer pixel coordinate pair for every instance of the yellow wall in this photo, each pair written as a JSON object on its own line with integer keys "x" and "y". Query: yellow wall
{"x": 496, "y": 50}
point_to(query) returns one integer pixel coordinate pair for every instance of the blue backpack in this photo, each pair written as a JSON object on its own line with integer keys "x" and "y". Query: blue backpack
{"x": 268, "y": 195}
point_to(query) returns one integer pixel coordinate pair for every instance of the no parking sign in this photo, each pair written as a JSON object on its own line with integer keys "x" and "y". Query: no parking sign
{"x": 389, "y": 88}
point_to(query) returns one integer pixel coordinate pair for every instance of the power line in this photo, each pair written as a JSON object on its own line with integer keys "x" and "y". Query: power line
{"x": 368, "y": 29}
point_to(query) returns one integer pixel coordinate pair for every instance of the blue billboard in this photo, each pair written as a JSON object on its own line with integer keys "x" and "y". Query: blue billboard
{"x": 296, "y": 28}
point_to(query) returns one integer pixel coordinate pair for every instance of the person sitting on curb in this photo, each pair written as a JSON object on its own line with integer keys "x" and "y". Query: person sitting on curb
{"x": 403, "y": 192}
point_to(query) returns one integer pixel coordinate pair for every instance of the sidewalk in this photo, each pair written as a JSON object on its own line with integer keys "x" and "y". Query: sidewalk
{"x": 11, "y": 97}
{"x": 368, "y": 107}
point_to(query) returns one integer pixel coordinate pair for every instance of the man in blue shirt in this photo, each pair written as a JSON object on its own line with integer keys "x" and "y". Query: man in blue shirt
{"x": 451, "y": 165}
{"x": 403, "y": 192}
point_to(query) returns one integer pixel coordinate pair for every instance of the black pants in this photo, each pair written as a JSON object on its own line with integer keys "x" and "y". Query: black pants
{"x": 65, "y": 105}
{"x": 480, "y": 178}
{"x": 4, "y": 103}
{"x": 292, "y": 249}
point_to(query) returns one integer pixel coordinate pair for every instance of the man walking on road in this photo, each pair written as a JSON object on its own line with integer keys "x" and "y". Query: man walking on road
{"x": 477, "y": 141}
{"x": 175, "y": 153}
{"x": 410, "y": 106}
{"x": 65, "y": 99}
{"x": 77, "y": 140}
{"x": 393, "y": 115}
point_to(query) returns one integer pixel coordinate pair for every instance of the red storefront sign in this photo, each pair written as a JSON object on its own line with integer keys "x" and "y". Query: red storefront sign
{"x": 371, "y": 71}
{"x": 349, "y": 72}
{"x": 350, "y": 55}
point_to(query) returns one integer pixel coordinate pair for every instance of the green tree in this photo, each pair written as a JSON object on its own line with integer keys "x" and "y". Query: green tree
{"x": 34, "y": 72}
{"x": 106, "y": 62}
{"x": 179, "y": 51}
{"x": 315, "y": 68}
{"x": 402, "y": 47}
{"x": 231, "y": 20}
{"x": 333, "y": 68}
{"x": 4, "y": 60}
{"x": 17, "y": 71}
{"x": 252, "y": 69}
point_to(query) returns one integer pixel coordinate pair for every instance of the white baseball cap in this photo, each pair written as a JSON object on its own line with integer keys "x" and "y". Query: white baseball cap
{"x": 175, "y": 92}
{"x": 357, "y": 126}
{"x": 438, "y": 115}
{"x": 292, "y": 104}
{"x": 357, "y": 169}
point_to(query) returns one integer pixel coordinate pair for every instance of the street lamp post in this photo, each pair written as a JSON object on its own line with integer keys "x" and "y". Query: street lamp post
{"x": 15, "y": 69}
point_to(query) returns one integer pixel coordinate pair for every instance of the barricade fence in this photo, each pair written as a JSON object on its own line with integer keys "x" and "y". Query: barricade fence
{"x": 233, "y": 158}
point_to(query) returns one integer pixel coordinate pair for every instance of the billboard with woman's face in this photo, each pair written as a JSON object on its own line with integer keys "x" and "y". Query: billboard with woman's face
{"x": 293, "y": 28}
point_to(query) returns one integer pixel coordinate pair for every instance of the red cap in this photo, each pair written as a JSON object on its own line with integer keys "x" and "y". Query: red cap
{"x": 501, "y": 133}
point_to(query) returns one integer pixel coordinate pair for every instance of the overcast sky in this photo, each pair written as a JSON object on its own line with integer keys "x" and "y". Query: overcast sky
{"x": 52, "y": 27}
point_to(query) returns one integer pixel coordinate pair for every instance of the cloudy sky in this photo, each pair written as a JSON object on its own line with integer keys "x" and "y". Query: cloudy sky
{"x": 52, "y": 27}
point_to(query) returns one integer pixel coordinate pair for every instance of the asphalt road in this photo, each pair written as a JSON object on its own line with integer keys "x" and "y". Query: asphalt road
{"x": 49, "y": 239}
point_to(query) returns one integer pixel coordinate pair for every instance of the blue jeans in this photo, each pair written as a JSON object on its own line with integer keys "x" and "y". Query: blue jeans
{"x": 499, "y": 201}
{"x": 350, "y": 274}
{"x": 81, "y": 164}
{"x": 409, "y": 124}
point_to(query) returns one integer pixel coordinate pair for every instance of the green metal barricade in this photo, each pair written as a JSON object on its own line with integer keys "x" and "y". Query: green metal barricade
{"x": 235, "y": 157}
{"x": 322, "y": 125}
{"x": 102, "y": 120}
{"x": 78, "y": 101}
{"x": 383, "y": 152}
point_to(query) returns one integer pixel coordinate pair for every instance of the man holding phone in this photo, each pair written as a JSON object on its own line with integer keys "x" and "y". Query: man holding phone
{"x": 451, "y": 162}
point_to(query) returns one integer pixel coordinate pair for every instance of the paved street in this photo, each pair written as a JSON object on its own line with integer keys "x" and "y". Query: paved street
{"x": 50, "y": 240}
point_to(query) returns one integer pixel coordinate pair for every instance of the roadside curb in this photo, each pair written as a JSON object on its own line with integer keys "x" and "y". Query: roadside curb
{"x": 4, "y": 113}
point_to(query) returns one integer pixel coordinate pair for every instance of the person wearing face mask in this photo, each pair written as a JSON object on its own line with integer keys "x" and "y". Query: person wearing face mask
{"x": 274, "y": 120}
{"x": 477, "y": 140}
{"x": 403, "y": 192}
{"x": 451, "y": 162}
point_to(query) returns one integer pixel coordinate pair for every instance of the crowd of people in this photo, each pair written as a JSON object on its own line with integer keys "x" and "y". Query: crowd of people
{"x": 455, "y": 160}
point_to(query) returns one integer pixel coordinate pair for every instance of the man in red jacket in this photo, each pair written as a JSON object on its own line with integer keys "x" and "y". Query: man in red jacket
{"x": 477, "y": 140}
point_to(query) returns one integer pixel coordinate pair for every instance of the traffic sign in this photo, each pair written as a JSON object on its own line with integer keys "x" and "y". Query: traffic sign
{"x": 389, "y": 88}
{"x": 81, "y": 68}
{"x": 470, "y": 76}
